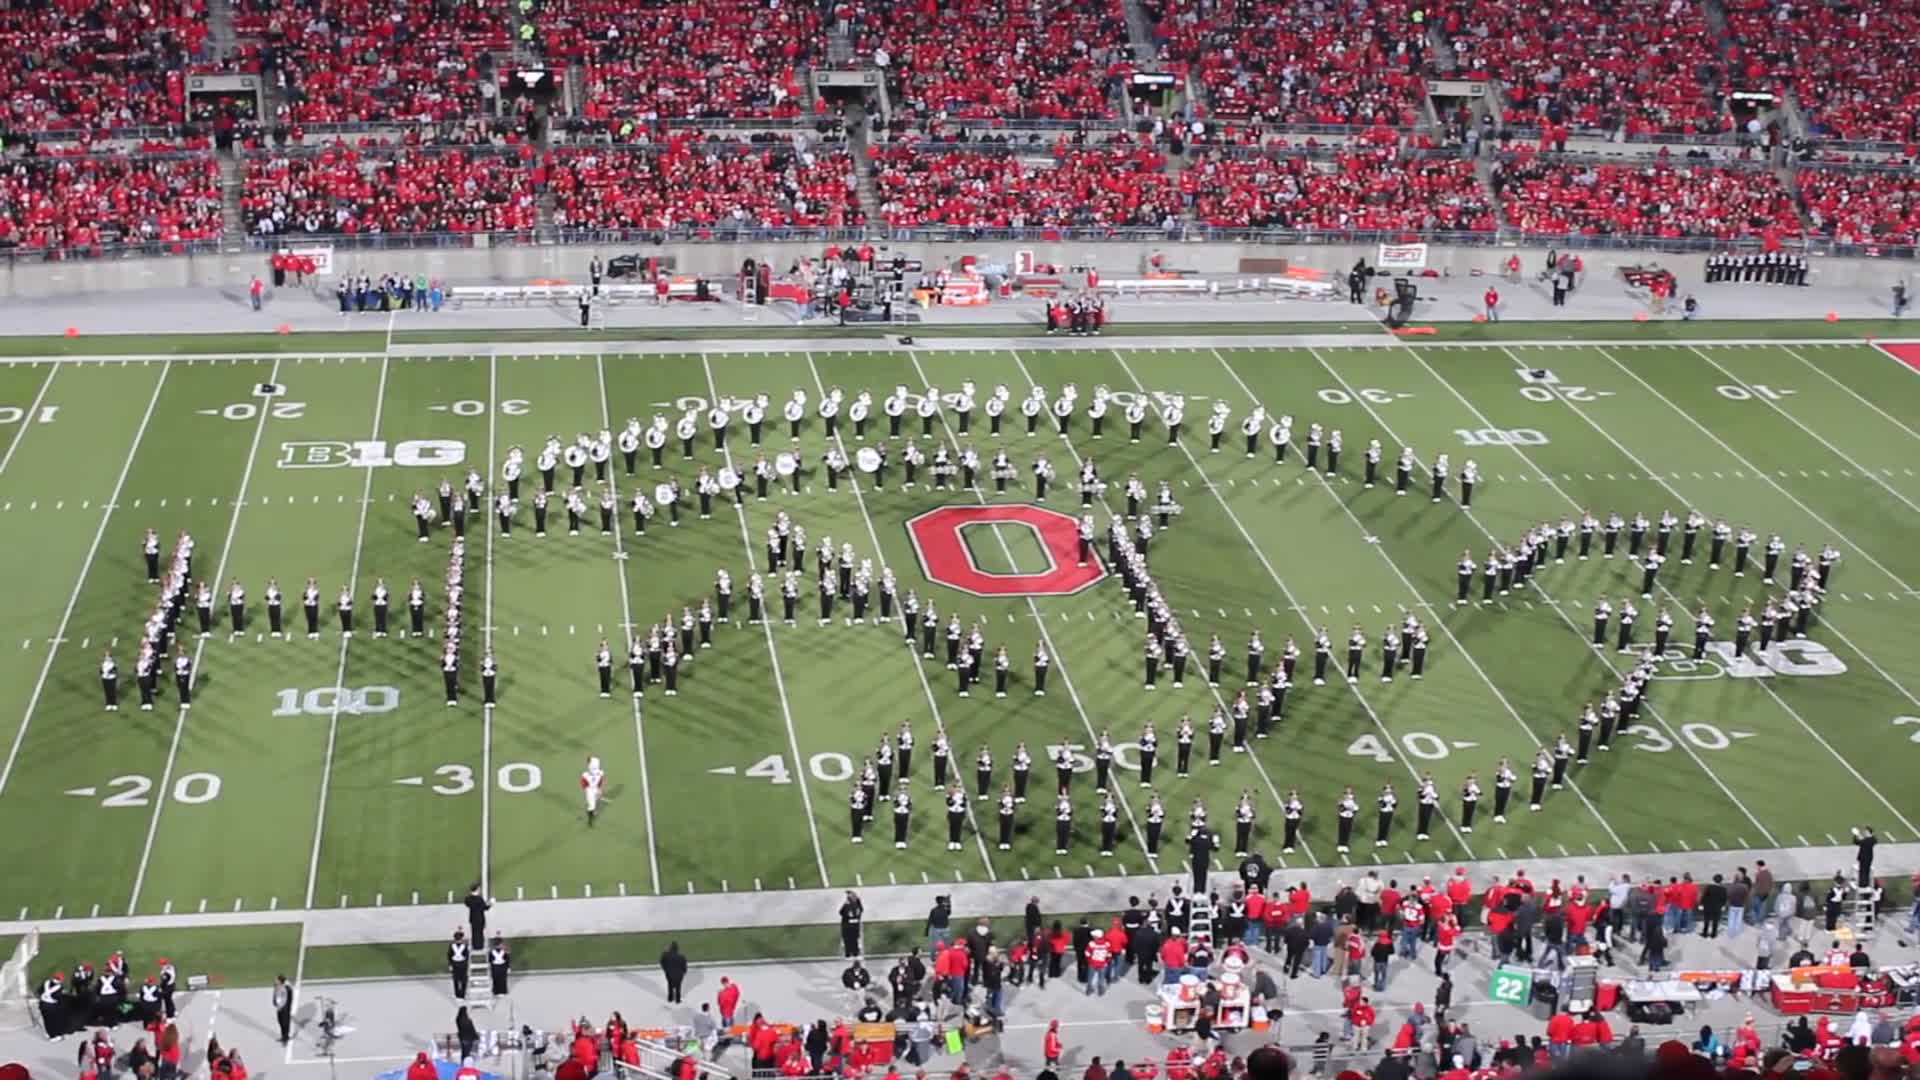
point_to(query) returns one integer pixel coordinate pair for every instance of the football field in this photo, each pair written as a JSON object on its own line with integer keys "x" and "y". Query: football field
{"x": 329, "y": 772}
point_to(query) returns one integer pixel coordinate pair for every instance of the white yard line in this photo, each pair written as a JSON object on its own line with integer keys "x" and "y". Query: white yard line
{"x": 1293, "y": 604}
{"x": 1040, "y": 623}
{"x": 919, "y": 669}
{"x": 1440, "y": 622}
{"x": 200, "y": 647}
{"x": 773, "y": 654}
{"x": 60, "y": 633}
{"x": 1795, "y": 421}
{"x": 1822, "y": 372}
{"x": 626, "y": 622}
{"x": 486, "y": 631}
{"x": 340, "y": 671}
{"x": 1252, "y": 757}
{"x": 27, "y": 419}
{"x": 1811, "y": 731}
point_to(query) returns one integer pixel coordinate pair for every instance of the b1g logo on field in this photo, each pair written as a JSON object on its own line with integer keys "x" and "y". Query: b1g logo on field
{"x": 946, "y": 560}
{"x": 415, "y": 453}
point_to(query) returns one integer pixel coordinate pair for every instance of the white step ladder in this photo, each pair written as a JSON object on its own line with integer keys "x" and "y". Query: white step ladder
{"x": 1865, "y": 920}
{"x": 479, "y": 981}
{"x": 1200, "y": 923}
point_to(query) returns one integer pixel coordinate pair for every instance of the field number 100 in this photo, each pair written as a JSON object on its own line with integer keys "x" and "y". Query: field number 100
{"x": 327, "y": 700}
{"x": 1500, "y": 436}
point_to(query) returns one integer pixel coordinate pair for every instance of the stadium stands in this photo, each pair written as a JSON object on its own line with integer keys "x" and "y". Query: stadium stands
{"x": 355, "y": 62}
{"x": 1642, "y": 66}
{"x": 345, "y": 190}
{"x": 425, "y": 81}
{"x": 1656, "y": 198}
{"x": 687, "y": 182}
{"x": 1051, "y": 59}
{"x": 732, "y": 58}
{"x": 1356, "y": 188}
{"x": 90, "y": 67}
{"x": 1845, "y": 64}
{"x": 1109, "y": 186}
{"x": 1301, "y": 64}
{"x": 1862, "y": 206}
{"x": 74, "y": 205}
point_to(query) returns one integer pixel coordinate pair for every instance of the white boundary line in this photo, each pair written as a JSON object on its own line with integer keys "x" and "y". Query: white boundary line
{"x": 200, "y": 647}
{"x": 1827, "y": 375}
{"x": 60, "y": 633}
{"x": 1442, "y": 622}
{"x": 1789, "y": 709}
{"x": 626, "y": 621}
{"x": 1294, "y": 605}
{"x": 803, "y": 341}
{"x": 773, "y": 655}
{"x": 1252, "y": 756}
{"x": 27, "y": 418}
{"x": 486, "y": 630}
{"x": 919, "y": 669}
{"x": 1040, "y": 623}
{"x": 340, "y": 672}
{"x": 1816, "y": 436}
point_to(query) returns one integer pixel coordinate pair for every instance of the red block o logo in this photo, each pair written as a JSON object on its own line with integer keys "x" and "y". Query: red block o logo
{"x": 944, "y": 557}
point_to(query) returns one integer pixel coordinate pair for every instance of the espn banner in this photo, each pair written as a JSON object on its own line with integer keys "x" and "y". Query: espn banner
{"x": 321, "y": 254}
{"x": 1402, "y": 257}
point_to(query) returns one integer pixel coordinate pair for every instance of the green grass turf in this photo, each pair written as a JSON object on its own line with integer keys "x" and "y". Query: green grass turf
{"x": 267, "y": 796}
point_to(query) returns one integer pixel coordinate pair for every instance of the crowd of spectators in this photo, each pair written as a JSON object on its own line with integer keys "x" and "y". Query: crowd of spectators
{"x": 1324, "y": 62}
{"x": 1655, "y": 198}
{"x": 350, "y": 190}
{"x": 1359, "y": 187}
{"x": 1638, "y": 66}
{"x": 345, "y": 60}
{"x": 1110, "y": 186}
{"x": 74, "y": 65}
{"x": 1846, "y": 63}
{"x": 1862, "y": 206}
{"x": 688, "y": 182}
{"x": 1042, "y": 59}
{"x": 684, "y": 61}
{"x": 75, "y": 204}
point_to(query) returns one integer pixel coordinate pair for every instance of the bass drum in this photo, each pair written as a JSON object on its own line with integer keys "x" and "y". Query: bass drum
{"x": 1399, "y": 312}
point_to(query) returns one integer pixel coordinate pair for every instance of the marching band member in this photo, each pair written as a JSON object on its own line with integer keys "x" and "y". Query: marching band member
{"x": 592, "y": 784}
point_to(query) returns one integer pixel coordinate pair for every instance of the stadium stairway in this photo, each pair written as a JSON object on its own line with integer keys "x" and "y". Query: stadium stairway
{"x": 1445, "y": 62}
{"x": 1146, "y": 52}
{"x": 220, "y": 35}
{"x": 232, "y": 226}
{"x": 857, "y": 142}
{"x": 839, "y": 48}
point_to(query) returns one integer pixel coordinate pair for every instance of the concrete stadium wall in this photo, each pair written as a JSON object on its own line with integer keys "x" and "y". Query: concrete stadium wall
{"x": 520, "y": 265}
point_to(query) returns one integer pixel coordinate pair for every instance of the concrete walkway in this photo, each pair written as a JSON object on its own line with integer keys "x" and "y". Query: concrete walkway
{"x": 391, "y": 1019}
{"x": 139, "y": 313}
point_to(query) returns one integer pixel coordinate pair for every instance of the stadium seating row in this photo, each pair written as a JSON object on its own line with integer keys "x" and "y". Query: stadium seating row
{"x": 84, "y": 201}
{"x": 1642, "y": 66}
